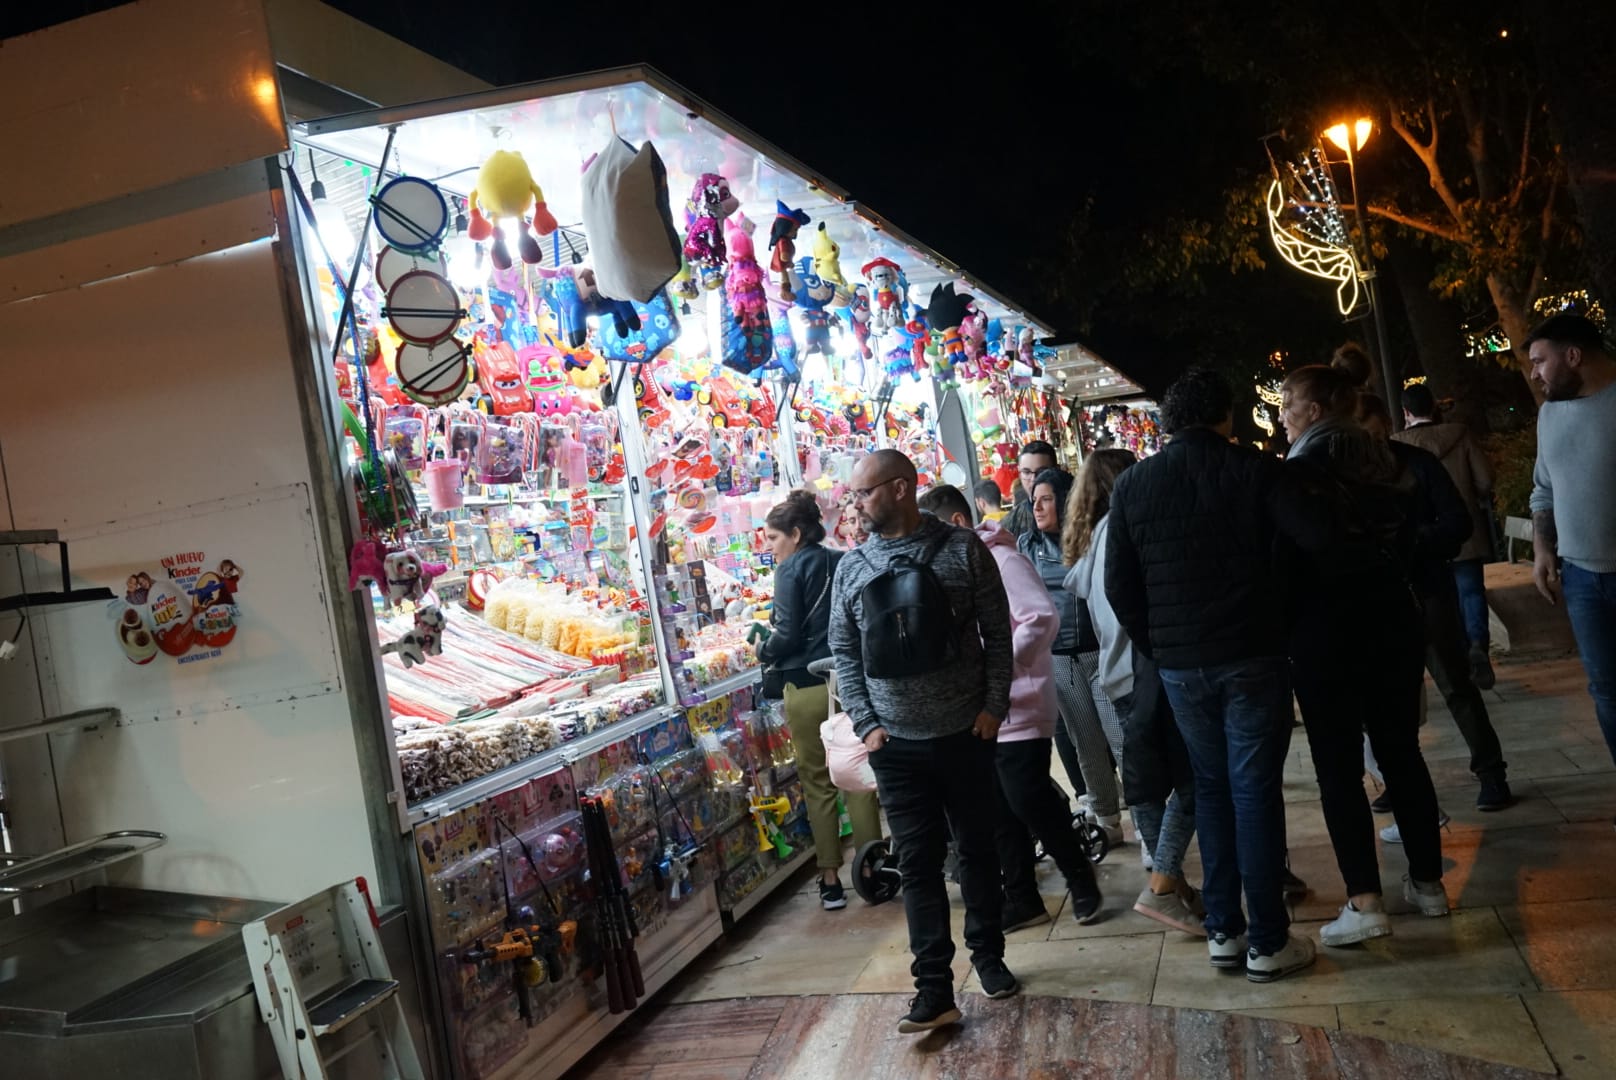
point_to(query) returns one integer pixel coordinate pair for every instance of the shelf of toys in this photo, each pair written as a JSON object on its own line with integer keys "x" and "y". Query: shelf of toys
{"x": 1135, "y": 427}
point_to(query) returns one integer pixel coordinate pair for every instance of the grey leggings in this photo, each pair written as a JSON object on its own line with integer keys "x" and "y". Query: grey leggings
{"x": 1080, "y": 712}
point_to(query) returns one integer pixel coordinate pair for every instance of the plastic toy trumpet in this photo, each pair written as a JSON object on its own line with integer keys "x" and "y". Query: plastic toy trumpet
{"x": 767, "y": 814}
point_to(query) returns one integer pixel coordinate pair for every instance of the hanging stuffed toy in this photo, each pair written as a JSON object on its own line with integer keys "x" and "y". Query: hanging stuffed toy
{"x": 505, "y": 188}
{"x": 654, "y": 327}
{"x": 367, "y": 564}
{"x": 858, "y": 317}
{"x": 748, "y": 333}
{"x": 783, "y": 242}
{"x": 974, "y": 331}
{"x": 684, "y": 286}
{"x": 945, "y": 314}
{"x": 709, "y": 204}
{"x": 571, "y": 294}
{"x": 886, "y": 294}
{"x": 1024, "y": 347}
{"x": 785, "y": 341}
{"x": 633, "y": 245}
{"x": 424, "y": 641}
{"x": 408, "y": 578}
{"x": 814, "y": 295}
{"x": 828, "y": 258}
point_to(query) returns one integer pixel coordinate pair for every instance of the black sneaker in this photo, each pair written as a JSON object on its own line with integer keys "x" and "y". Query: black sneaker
{"x": 1494, "y": 794}
{"x": 1020, "y": 914}
{"x": 1292, "y": 886}
{"x": 1086, "y": 899}
{"x": 996, "y": 980}
{"x": 1383, "y": 802}
{"x": 928, "y": 1011}
{"x": 831, "y": 897}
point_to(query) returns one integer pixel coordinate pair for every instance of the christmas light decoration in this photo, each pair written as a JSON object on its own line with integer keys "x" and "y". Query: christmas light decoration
{"x": 1313, "y": 238}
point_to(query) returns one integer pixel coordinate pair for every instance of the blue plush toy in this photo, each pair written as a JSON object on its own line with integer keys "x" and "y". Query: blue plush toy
{"x": 814, "y": 296}
{"x": 653, "y": 328}
{"x": 573, "y": 298}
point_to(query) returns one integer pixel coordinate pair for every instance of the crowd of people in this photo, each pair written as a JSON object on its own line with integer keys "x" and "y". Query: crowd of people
{"x": 1160, "y": 624}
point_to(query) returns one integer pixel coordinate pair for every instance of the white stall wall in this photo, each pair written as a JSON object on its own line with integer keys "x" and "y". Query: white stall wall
{"x": 145, "y": 416}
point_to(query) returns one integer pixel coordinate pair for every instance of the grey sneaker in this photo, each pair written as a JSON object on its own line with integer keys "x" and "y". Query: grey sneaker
{"x": 1170, "y": 910}
{"x": 1391, "y": 834}
{"x": 1225, "y": 952}
{"x": 1357, "y": 924}
{"x": 1296, "y": 954}
{"x": 1429, "y": 896}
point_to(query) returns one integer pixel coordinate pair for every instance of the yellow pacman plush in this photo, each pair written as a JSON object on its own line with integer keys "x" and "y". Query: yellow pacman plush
{"x": 505, "y": 188}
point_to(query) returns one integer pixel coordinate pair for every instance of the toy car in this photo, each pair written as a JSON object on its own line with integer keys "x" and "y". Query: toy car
{"x": 728, "y": 407}
{"x": 501, "y": 388}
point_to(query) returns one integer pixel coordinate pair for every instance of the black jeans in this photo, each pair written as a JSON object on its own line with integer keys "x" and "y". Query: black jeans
{"x": 1447, "y": 657}
{"x": 1068, "y": 756}
{"x": 928, "y": 787}
{"x": 1373, "y": 687}
{"x": 1029, "y": 801}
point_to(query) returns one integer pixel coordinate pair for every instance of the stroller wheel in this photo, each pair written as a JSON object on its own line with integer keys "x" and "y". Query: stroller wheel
{"x": 875, "y": 873}
{"x": 1094, "y": 840}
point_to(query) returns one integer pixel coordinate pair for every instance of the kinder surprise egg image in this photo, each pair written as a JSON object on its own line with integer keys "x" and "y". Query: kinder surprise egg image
{"x": 136, "y": 637}
{"x": 171, "y": 618}
{"x": 214, "y": 620}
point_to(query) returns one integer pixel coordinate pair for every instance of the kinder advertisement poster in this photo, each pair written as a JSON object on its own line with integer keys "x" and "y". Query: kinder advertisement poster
{"x": 184, "y": 608}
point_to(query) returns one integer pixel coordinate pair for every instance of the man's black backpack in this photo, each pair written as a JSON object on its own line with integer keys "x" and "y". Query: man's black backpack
{"x": 908, "y": 621}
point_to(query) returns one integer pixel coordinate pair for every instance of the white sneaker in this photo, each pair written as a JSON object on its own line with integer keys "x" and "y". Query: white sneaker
{"x": 1429, "y": 896}
{"x": 1391, "y": 835}
{"x": 1085, "y": 804}
{"x": 1296, "y": 954}
{"x": 1113, "y": 829}
{"x": 1357, "y": 924}
{"x": 1145, "y": 858}
{"x": 1225, "y": 951}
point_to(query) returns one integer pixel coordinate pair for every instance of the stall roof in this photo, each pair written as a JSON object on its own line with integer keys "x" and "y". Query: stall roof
{"x": 1082, "y": 376}
{"x": 559, "y": 123}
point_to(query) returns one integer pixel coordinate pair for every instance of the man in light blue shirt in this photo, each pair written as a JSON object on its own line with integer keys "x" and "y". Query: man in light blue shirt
{"x": 1574, "y": 494}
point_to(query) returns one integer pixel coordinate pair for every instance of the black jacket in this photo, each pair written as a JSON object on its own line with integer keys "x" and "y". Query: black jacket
{"x": 1189, "y": 566}
{"x": 1442, "y": 521}
{"x": 801, "y": 615}
{"x": 1076, "y": 634}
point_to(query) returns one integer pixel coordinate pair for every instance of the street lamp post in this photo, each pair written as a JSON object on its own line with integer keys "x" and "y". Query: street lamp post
{"x": 1351, "y": 138}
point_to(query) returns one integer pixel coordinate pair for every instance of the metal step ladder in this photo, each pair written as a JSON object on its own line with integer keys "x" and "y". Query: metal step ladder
{"x": 318, "y": 968}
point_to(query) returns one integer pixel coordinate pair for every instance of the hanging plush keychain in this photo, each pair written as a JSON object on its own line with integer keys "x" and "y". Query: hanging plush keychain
{"x": 423, "y": 641}
{"x": 505, "y": 188}
{"x": 783, "y": 243}
{"x": 748, "y": 334}
{"x": 709, "y": 204}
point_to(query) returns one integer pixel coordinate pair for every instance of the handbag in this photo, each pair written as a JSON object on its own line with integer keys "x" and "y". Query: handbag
{"x": 774, "y": 680}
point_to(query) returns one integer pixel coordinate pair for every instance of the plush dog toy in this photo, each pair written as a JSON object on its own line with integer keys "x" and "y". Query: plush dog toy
{"x": 505, "y": 188}
{"x": 408, "y": 578}
{"x": 886, "y": 294}
{"x": 424, "y": 641}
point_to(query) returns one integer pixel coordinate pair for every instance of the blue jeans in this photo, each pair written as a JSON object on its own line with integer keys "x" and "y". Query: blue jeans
{"x": 1591, "y": 602}
{"x": 1236, "y": 723}
{"x": 1469, "y": 575}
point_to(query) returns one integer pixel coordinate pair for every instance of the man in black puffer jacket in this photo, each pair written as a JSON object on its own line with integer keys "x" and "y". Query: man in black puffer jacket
{"x": 1190, "y": 573}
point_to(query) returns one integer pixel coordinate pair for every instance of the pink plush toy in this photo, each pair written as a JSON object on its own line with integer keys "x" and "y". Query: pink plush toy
{"x": 709, "y": 204}
{"x": 367, "y": 563}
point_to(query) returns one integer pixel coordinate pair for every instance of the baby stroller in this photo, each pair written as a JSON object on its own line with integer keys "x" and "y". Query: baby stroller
{"x": 875, "y": 865}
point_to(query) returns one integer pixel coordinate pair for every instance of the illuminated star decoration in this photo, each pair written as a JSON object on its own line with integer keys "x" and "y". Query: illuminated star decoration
{"x": 1304, "y": 219}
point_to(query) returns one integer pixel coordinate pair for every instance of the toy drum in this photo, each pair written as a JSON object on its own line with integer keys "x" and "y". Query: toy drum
{"x": 392, "y": 264}
{"x": 423, "y": 307}
{"x": 411, "y": 214}
{"x": 442, "y": 479}
{"x": 432, "y": 374}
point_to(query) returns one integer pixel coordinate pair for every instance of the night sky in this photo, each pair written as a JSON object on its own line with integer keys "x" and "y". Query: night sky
{"x": 980, "y": 136}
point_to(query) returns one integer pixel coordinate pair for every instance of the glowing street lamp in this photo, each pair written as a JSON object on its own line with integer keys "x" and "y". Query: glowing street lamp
{"x": 1358, "y": 133}
{"x": 1350, "y": 138}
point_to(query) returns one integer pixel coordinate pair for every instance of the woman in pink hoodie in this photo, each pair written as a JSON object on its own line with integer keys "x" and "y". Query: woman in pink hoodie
{"x": 1028, "y": 798}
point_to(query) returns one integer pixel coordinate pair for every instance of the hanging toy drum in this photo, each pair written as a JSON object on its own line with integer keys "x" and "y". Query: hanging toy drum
{"x": 393, "y": 263}
{"x": 433, "y": 374}
{"x": 411, "y": 214}
{"x": 876, "y": 877}
{"x": 423, "y": 307}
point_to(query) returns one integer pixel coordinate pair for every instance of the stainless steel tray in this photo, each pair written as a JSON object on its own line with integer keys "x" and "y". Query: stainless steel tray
{"x": 27, "y": 873}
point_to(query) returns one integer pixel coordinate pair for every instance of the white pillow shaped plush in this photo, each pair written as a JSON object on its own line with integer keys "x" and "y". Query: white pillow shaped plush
{"x": 628, "y": 223}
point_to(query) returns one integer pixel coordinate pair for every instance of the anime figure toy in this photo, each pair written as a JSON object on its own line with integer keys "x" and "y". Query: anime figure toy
{"x": 505, "y": 188}
{"x": 814, "y": 295}
{"x": 886, "y": 294}
{"x": 974, "y": 332}
{"x": 783, "y": 242}
{"x": 748, "y": 333}
{"x": 709, "y": 204}
{"x": 946, "y": 313}
{"x": 424, "y": 641}
{"x": 827, "y": 258}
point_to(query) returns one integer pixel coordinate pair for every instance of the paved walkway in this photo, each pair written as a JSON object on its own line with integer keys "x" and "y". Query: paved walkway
{"x": 1522, "y": 974}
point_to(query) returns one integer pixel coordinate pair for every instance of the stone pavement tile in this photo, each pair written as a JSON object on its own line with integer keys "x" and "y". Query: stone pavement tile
{"x": 1365, "y": 1057}
{"x": 1322, "y": 1016}
{"x": 1579, "y": 1029}
{"x": 1490, "y": 1027}
{"x": 888, "y": 973}
{"x": 1424, "y": 957}
{"x": 1569, "y": 946}
{"x": 1593, "y": 758}
{"x": 1532, "y": 807}
{"x": 1498, "y": 867}
{"x": 1110, "y": 969}
{"x": 1453, "y": 770}
{"x": 1584, "y": 797}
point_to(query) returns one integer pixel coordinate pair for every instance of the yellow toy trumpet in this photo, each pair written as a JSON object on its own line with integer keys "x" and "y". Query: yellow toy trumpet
{"x": 767, "y": 814}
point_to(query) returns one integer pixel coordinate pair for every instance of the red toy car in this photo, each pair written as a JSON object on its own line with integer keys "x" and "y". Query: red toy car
{"x": 502, "y": 389}
{"x": 729, "y": 408}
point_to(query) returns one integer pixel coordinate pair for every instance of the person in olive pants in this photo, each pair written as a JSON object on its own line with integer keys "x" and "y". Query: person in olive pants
{"x": 806, "y": 708}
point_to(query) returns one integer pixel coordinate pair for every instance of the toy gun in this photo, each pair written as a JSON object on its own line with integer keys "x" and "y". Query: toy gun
{"x": 615, "y": 925}
{"x": 767, "y": 814}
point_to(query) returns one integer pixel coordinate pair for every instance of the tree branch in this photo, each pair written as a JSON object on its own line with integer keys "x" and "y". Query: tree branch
{"x": 1424, "y": 225}
{"x": 1534, "y": 288}
{"x": 1526, "y": 158}
{"x": 1427, "y": 153}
